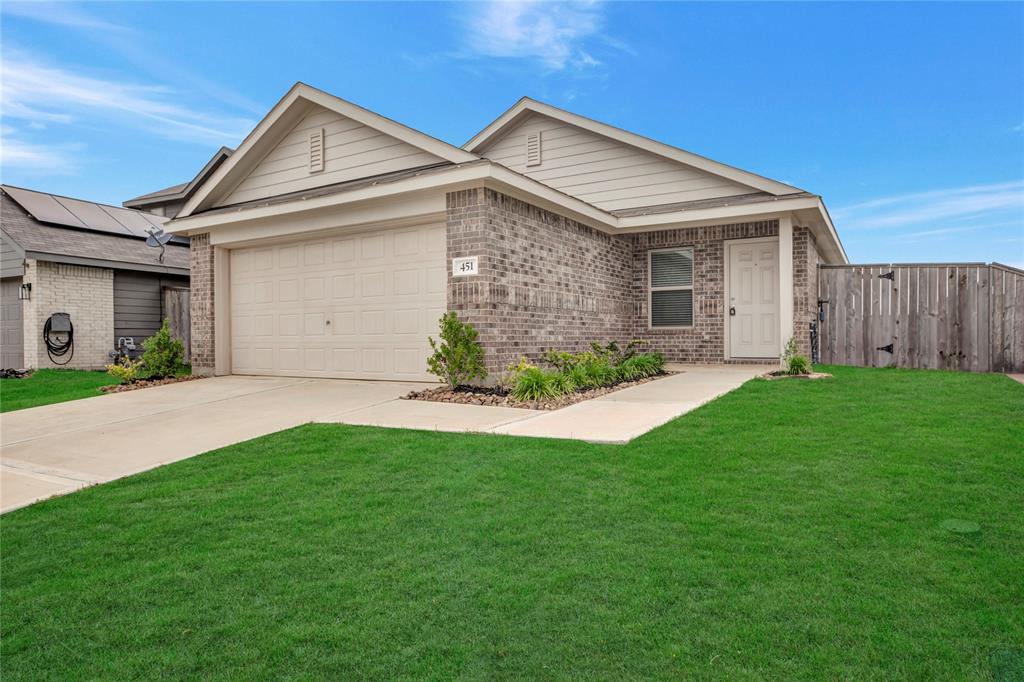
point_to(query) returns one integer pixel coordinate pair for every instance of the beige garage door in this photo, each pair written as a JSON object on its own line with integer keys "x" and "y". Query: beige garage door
{"x": 355, "y": 306}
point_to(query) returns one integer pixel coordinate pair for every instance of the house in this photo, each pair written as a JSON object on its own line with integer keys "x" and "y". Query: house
{"x": 89, "y": 260}
{"x": 332, "y": 239}
{"x": 168, "y": 202}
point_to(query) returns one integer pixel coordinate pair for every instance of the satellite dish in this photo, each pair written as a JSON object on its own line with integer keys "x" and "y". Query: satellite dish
{"x": 157, "y": 238}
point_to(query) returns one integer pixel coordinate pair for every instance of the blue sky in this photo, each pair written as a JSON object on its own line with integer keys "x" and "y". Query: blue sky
{"x": 907, "y": 118}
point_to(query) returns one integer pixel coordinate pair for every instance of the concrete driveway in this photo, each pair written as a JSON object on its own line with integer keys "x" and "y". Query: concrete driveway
{"x": 55, "y": 449}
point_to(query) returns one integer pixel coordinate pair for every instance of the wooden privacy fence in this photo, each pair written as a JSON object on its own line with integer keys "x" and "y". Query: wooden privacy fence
{"x": 176, "y": 310}
{"x": 965, "y": 316}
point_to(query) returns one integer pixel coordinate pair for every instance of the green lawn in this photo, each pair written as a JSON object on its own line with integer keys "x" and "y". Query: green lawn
{"x": 46, "y": 386}
{"x": 789, "y": 530}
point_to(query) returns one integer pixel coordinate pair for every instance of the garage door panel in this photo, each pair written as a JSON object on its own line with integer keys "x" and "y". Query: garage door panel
{"x": 355, "y": 306}
{"x": 344, "y": 287}
{"x": 373, "y": 284}
{"x": 263, "y": 260}
{"x": 372, "y": 247}
{"x": 314, "y": 289}
{"x": 287, "y": 291}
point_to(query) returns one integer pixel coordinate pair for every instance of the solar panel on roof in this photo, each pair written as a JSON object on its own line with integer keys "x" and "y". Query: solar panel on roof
{"x": 133, "y": 220}
{"x": 93, "y": 216}
{"x": 86, "y": 215}
{"x": 43, "y": 207}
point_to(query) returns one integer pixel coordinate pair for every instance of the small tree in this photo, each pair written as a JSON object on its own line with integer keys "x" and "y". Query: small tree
{"x": 163, "y": 354}
{"x": 459, "y": 358}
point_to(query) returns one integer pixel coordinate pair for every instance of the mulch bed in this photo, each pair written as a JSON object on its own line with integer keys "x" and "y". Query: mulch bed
{"x": 147, "y": 383}
{"x": 15, "y": 373}
{"x": 497, "y": 397}
{"x": 772, "y": 376}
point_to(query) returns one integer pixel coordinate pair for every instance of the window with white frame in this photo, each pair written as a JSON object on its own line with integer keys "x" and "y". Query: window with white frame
{"x": 671, "y": 287}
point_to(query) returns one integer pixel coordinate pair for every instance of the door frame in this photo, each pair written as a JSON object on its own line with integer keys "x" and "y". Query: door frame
{"x": 727, "y": 256}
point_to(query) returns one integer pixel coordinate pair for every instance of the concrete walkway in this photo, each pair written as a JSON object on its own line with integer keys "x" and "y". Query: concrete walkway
{"x": 616, "y": 418}
{"x": 55, "y": 449}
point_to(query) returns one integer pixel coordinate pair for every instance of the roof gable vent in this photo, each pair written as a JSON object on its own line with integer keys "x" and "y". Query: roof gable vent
{"x": 533, "y": 149}
{"x": 316, "y": 151}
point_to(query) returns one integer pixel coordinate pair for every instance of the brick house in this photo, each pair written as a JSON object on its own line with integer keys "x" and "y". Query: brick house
{"x": 332, "y": 239}
{"x": 89, "y": 260}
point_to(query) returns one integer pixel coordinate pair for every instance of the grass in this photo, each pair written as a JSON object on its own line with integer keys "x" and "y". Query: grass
{"x": 48, "y": 386}
{"x": 789, "y": 530}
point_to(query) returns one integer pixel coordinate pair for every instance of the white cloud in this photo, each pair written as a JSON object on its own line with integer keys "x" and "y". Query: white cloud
{"x": 37, "y": 93}
{"x": 60, "y": 14}
{"x": 19, "y": 154}
{"x": 556, "y": 34}
{"x": 979, "y": 203}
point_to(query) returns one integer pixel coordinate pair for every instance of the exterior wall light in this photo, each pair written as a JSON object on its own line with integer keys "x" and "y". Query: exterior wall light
{"x": 25, "y": 292}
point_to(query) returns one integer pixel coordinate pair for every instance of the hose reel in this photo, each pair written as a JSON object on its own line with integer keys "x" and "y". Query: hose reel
{"x": 59, "y": 337}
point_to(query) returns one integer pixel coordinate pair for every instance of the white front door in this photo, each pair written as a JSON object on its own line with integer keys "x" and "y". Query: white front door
{"x": 753, "y": 299}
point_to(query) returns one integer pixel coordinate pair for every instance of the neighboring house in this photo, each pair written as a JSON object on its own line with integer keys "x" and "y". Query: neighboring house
{"x": 331, "y": 241}
{"x": 167, "y": 202}
{"x": 61, "y": 255}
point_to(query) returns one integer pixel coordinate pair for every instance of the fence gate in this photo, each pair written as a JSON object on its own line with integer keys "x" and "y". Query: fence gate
{"x": 965, "y": 316}
{"x": 176, "y": 310}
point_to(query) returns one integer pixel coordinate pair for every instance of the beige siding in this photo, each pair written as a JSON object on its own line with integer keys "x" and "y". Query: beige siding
{"x": 353, "y": 151}
{"x": 604, "y": 172}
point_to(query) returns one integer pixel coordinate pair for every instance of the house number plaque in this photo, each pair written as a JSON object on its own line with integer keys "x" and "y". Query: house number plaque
{"x": 464, "y": 267}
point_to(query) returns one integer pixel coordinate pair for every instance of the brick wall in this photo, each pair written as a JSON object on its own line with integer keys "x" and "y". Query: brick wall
{"x": 87, "y": 295}
{"x": 201, "y": 304}
{"x": 805, "y": 287}
{"x": 546, "y": 281}
{"x": 705, "y": 341}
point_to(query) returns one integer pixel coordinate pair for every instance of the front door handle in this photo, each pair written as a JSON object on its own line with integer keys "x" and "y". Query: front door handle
{"x": 732, "y": 311}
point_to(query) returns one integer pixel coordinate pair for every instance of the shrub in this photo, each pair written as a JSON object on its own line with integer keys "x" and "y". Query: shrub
{"x": 127, "y": 372}
{"x": 792, "y": 361}
{"x": 163, "y": 355}
{"x": 579, "y": 376}
{"x": 599, "y": 372}
{"x": 512, "y": 372}
{"x": 615, "y": 355}
{"x": 533, "y": 383}
{"x": 641, "y": 366}
{"x": 459, "y": 358}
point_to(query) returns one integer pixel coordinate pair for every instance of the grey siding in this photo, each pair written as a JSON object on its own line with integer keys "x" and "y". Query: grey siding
{"x": 138, "y": 303}
{"x": 12, "y": 342}
{"x": 11, "y": 258}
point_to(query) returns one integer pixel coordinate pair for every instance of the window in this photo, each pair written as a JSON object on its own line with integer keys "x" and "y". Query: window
{"x": 671, "y": 281}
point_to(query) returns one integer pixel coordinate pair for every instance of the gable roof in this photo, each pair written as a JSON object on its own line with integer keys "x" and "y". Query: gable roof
{"x": 70, "y": 239}
{"x": 527, "y": 106}
{"x": 183, "y": 190}
{"x": 276, "y": 124}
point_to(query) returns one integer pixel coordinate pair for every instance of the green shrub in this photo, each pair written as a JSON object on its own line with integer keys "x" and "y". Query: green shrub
{"x": 533, "y": 383}
{"x": 641, "y": 366}
{"x": 615, "y": 355}
{"x": 163, "y": 355}
{"x": 599, "y": 372}
{"x": 792, "y": 361}
{"x": 579, "y": 376}
{"x": 511, "y": 376}
{"x": 459, "y": 358}
{"x": 127, "y": 372}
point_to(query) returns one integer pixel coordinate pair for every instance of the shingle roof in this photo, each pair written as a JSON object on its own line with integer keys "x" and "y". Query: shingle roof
{"x": 32, "y": 235}
{"x": 184, "y": 189}
{"x": 717, "y": 202}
